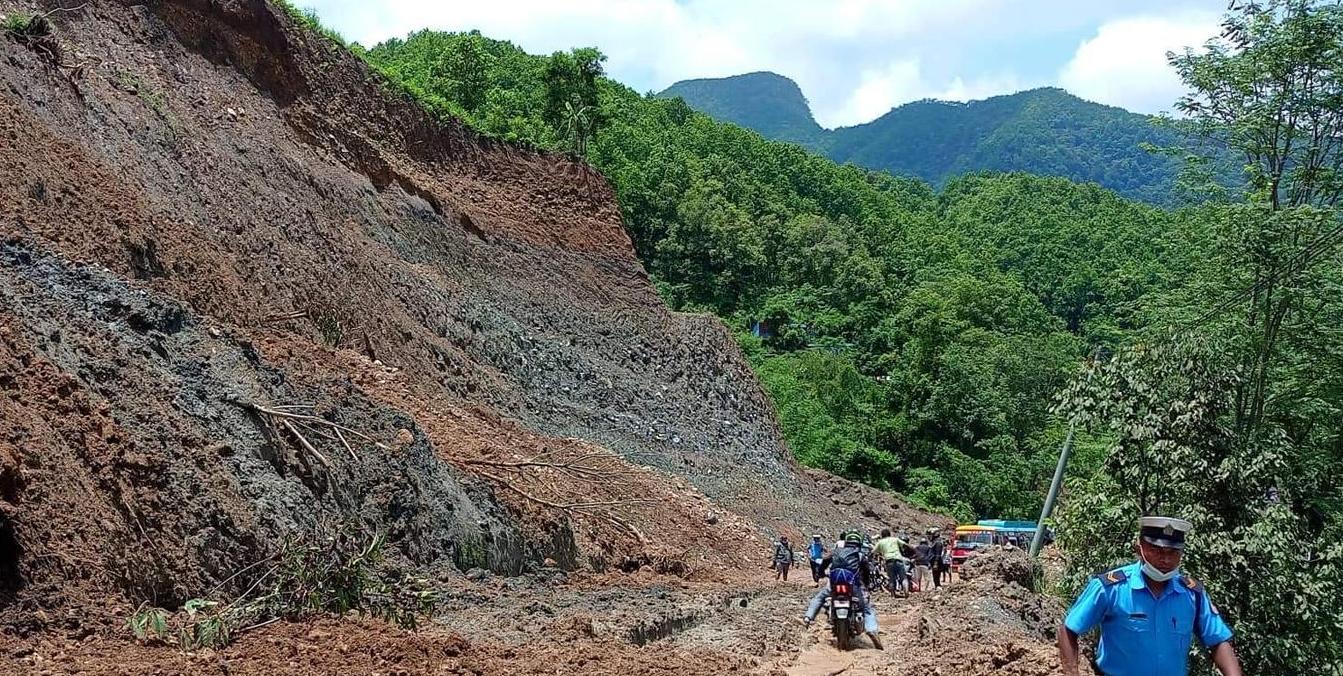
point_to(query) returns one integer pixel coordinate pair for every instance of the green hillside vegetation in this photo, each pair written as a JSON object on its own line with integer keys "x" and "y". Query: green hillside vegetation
{"x": 1045, "y": 131}
{"x": 770, "y": 104}
{"x": 919, "y": 338}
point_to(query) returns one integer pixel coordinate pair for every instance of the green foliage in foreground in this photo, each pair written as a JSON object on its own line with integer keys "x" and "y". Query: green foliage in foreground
{"x": 1229, "y": 412}
{"x": 331, "y": 571}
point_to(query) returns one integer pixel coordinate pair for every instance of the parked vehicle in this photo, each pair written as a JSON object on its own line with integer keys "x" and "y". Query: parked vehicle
{"x": 988, "y": 532}
{"x": 969, "y": 539}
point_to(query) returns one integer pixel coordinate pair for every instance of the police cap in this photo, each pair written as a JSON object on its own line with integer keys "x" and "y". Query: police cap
{"x": 1164, "y": 531}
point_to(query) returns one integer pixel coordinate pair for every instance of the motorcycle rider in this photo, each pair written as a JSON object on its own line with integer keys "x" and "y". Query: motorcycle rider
{"x": 848, "y": 558}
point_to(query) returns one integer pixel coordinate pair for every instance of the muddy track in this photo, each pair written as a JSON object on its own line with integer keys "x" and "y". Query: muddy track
{"x": 220, "y": 214}
{"x": 643, "y": 624}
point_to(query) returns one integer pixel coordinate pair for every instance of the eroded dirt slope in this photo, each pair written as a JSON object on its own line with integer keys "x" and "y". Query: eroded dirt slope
{"x": 211, "y": 220}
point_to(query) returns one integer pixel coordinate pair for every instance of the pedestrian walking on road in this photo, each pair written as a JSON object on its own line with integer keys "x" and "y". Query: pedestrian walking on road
{"x": 783, "y": 558}
{"x": 937, "y": 548}
{"x": 1148, "y": 612}
{"x": 922, "y": 558}
{"x": 816, "y": 557}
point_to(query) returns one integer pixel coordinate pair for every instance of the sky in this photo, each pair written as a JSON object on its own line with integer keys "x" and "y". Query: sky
{"x": 853, "y": 59}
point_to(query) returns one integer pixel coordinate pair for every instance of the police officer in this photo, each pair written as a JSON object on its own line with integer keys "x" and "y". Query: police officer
{"x": 1148, "y": 612}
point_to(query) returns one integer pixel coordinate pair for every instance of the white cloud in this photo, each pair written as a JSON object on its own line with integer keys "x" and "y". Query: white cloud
{"x": 878, "y": 91}
{"x": 854, "y": 59}
{"x": 900, "y": 82}
{"x": 1124, "y": 64}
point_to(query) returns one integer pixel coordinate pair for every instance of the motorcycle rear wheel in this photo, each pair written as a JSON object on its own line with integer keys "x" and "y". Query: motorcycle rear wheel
{"x": 843, "y": 638}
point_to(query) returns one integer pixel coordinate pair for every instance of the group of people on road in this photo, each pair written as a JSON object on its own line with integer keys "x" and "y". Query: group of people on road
{"x": 890, "y": 560}
{"x": 1130, "y": 605}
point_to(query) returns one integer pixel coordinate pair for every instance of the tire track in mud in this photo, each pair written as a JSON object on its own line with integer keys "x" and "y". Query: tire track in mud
{"x": 898, "y": 619}
{"x": 968, "y": 628}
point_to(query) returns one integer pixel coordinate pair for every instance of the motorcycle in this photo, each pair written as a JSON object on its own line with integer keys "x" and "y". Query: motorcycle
{"x": 846, "y": 609}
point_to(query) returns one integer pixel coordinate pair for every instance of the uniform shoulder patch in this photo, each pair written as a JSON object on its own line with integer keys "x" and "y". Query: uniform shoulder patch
{"x": 1112, "y": 577}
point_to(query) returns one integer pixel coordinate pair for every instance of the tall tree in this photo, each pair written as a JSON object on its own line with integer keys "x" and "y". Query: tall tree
{"x": 572, "y": 106}
{"x": 1233, "y": 416}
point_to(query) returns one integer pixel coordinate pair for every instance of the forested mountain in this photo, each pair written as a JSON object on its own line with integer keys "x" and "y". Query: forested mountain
{"x": 765, "y": 102}
{"x": 1042, "y": 131}
{"x": 914, "y": 339}
{"x": 930, "y": 341}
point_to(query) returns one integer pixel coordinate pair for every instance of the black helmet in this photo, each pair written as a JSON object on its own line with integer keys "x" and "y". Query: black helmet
{"x": 853, "y": 537}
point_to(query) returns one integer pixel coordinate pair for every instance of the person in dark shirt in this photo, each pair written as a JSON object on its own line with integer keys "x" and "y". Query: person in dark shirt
{"x": 848, "y": 558}
{"x": 923, "y": 553}
{"x": 937, "y": 548}
{"x": 783, "y": 558}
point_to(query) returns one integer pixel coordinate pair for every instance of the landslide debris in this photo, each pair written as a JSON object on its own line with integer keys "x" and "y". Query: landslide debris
{"x": 246, "y": 288}
{"x": 987, "y": 622}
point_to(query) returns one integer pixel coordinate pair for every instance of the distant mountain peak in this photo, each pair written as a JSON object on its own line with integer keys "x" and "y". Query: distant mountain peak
{"x": 769, "y": 103}
{"x": 1046, "y": 131}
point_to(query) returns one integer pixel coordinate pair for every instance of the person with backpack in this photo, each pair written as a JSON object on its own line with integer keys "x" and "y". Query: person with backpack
{"x": 848, "y": 561}
{"x": 783, "y": 558}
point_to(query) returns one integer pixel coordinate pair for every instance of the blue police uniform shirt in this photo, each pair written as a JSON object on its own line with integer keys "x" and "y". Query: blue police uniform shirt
{"x": 816, "y": 550}
{"x": 1142, "y": 635}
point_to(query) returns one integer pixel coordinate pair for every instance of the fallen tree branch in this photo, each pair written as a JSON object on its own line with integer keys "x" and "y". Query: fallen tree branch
{"x": 583, "y": 471}
{"x": 569, "y": 507}
{"x": 348, "y": 447}
{"x": 610, "y": 503}
{"x": 312, "y": 419}
{"x": 307, "y": 446}
{"x": 284, "y": 317}
{"x": 629, "y": 527}
{"x": 64, "y": 9}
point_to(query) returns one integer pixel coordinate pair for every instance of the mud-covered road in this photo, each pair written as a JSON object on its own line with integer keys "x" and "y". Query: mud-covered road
{"x": 610, "y": 624}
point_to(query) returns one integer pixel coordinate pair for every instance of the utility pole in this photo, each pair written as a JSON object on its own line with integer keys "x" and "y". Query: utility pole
{"x": 1057, "y": 483}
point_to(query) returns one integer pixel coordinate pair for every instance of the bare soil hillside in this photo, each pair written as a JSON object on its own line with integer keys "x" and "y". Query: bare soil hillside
{"x": 247, "y": 289}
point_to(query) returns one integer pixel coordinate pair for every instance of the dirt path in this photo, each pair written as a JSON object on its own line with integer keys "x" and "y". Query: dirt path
{"x": 989, "y": 624}
{"x": 607, "y": 626}
{"x": 899, "y": 621}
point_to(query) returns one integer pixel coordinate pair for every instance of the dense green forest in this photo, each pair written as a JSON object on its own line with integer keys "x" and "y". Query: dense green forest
{"x": 918, "y": 339}
{"x": 1045, "y": 131}
{"x": 930, "y": 341}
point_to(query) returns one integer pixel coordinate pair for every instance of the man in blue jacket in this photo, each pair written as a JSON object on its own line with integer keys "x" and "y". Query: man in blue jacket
{"x": 1148, "y": 612}
{"x": 815, "y": 555}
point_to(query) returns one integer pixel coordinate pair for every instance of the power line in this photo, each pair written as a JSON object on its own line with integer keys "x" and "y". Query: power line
{"x": 1300, "y": 261}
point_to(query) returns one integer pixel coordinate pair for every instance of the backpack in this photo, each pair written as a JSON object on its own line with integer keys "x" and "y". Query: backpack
{"x": 847, "y": 558}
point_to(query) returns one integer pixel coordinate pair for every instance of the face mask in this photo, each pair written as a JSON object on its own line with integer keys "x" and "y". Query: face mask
{"x": 1155, "y": 573}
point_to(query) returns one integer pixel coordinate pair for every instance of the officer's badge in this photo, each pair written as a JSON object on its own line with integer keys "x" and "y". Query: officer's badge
{"x": 1113, "y": 577}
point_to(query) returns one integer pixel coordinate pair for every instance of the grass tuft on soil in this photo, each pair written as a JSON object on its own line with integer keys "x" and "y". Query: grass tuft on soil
{"x": 27, "y": 26}
{"x": 329, "y": 571}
